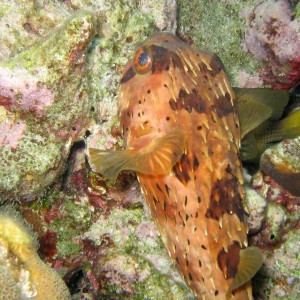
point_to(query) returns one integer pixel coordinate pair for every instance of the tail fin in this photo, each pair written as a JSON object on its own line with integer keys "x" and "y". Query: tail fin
{"x": 290, "y": 125}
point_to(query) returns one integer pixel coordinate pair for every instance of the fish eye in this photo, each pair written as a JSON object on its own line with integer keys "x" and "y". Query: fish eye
{"x": 142, "y": 61}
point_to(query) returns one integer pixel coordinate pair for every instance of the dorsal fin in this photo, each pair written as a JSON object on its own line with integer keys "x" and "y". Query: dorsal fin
{"x": 251, "y": 260}
{"x": 275, "y": 99}
{"x": 158, "y": 156}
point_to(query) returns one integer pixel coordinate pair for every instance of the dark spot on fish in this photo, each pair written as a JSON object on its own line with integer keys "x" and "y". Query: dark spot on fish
{"x": 128, "y": 75}
{"x": 161, "y": 58}
{"x": 199, "y": 127}
{"x": 216, "y": 64}
{"x": 173, "y": 104}
{"x": 228, "y": 169}
{"x": 199, "y": 199}
{"x": 165, "y": 86}
{"x": 179, "y": 213}
{"x": 196, "y": 215}
{"x": 139, "y": 114}
{"x": 159, "y": 188}
{"x": 202, "y": 278}
{"x": 228, "y": 261}
{"x": 149, "y": 91}
{"x": 155, "y": 199}
{"x": 196, "y": 162}
{"x": 223, "y": 106}
{"x": 182, "y": 168}
{"x": 189, "y": 102}
{"x": 188, "y": 241}
{"x": 187, "y": 217}
{"x": 177, "y": 259}
{"x": 165, "y": 205}
{"x": 140, "y": 101}
{"x": 216, "y": 292}
{"x": 167, "y": 189}
{"x": 128, "y": 114}
{"x": 190, "y": 276}
{"x": 225, "y": 198}
{"x": 185, "y": 201}
{"x": 228, "y": 97}
{"x": 203, "y": 68}
{"x": 168, "y": 118}
{"x": 203, "y": 247}
{"x": 199, "y": 263}
{"x": 237, "y": 125}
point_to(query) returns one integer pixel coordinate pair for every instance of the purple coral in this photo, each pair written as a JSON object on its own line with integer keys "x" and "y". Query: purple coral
{"x": 273, "y": 35}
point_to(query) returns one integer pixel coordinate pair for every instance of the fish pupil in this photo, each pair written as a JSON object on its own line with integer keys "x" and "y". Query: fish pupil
{"x": 143, "y": 59}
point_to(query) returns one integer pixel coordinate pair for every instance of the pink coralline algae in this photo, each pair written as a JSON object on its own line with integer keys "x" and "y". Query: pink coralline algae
{"x": 11, "y": 133}
{"x": 273, "y": 35}
{"x": 24, "y": 90}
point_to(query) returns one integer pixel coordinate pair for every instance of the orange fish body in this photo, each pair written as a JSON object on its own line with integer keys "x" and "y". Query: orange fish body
{"x": 182, "y": 137}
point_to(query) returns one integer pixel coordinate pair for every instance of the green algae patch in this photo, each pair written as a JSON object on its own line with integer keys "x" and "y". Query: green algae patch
{"x": 57, "y": 54}
{"x": 219, "y": 26}
{"x": 121, "y": 28}
{"x": 74, "y": 218}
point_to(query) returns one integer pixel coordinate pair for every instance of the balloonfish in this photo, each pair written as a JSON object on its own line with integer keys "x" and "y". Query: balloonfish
{"x": 181, "y": 130}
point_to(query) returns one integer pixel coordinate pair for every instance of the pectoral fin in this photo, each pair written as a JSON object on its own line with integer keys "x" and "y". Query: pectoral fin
{"x": 252, "y": 115}
{"x": 250, "y": 262}
{"x": 158, "y": 156}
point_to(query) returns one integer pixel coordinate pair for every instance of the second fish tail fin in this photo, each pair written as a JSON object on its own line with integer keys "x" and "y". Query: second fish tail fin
{"x": 290, "y": 125}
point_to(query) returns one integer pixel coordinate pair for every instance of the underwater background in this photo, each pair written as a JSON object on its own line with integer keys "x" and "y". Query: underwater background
{"x": 60, "y": 66}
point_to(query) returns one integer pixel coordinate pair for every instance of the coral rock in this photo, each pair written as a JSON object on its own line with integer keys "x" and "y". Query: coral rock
{"x": 23, "y": 274}
{"x": 45, "y": 105}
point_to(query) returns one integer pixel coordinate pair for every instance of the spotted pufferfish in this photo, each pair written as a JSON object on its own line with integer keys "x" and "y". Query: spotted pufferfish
{"x": 181, "y": 130}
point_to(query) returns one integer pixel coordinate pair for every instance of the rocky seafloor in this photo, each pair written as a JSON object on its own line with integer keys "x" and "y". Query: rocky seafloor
{"x": 60, "y": 64}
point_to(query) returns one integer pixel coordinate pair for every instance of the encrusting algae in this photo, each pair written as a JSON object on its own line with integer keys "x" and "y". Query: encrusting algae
{"x": 182, "y": 134}
{"x": 23, "y": 275}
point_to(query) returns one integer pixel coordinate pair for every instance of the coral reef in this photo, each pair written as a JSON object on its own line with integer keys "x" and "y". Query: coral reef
{"x": 23, "y": 274}
{"x": 36, "y": 86}
{"x": 279, "y": 233}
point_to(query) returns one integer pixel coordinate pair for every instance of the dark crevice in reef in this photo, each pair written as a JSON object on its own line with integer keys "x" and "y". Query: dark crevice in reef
{"x": 77, "y": 146}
